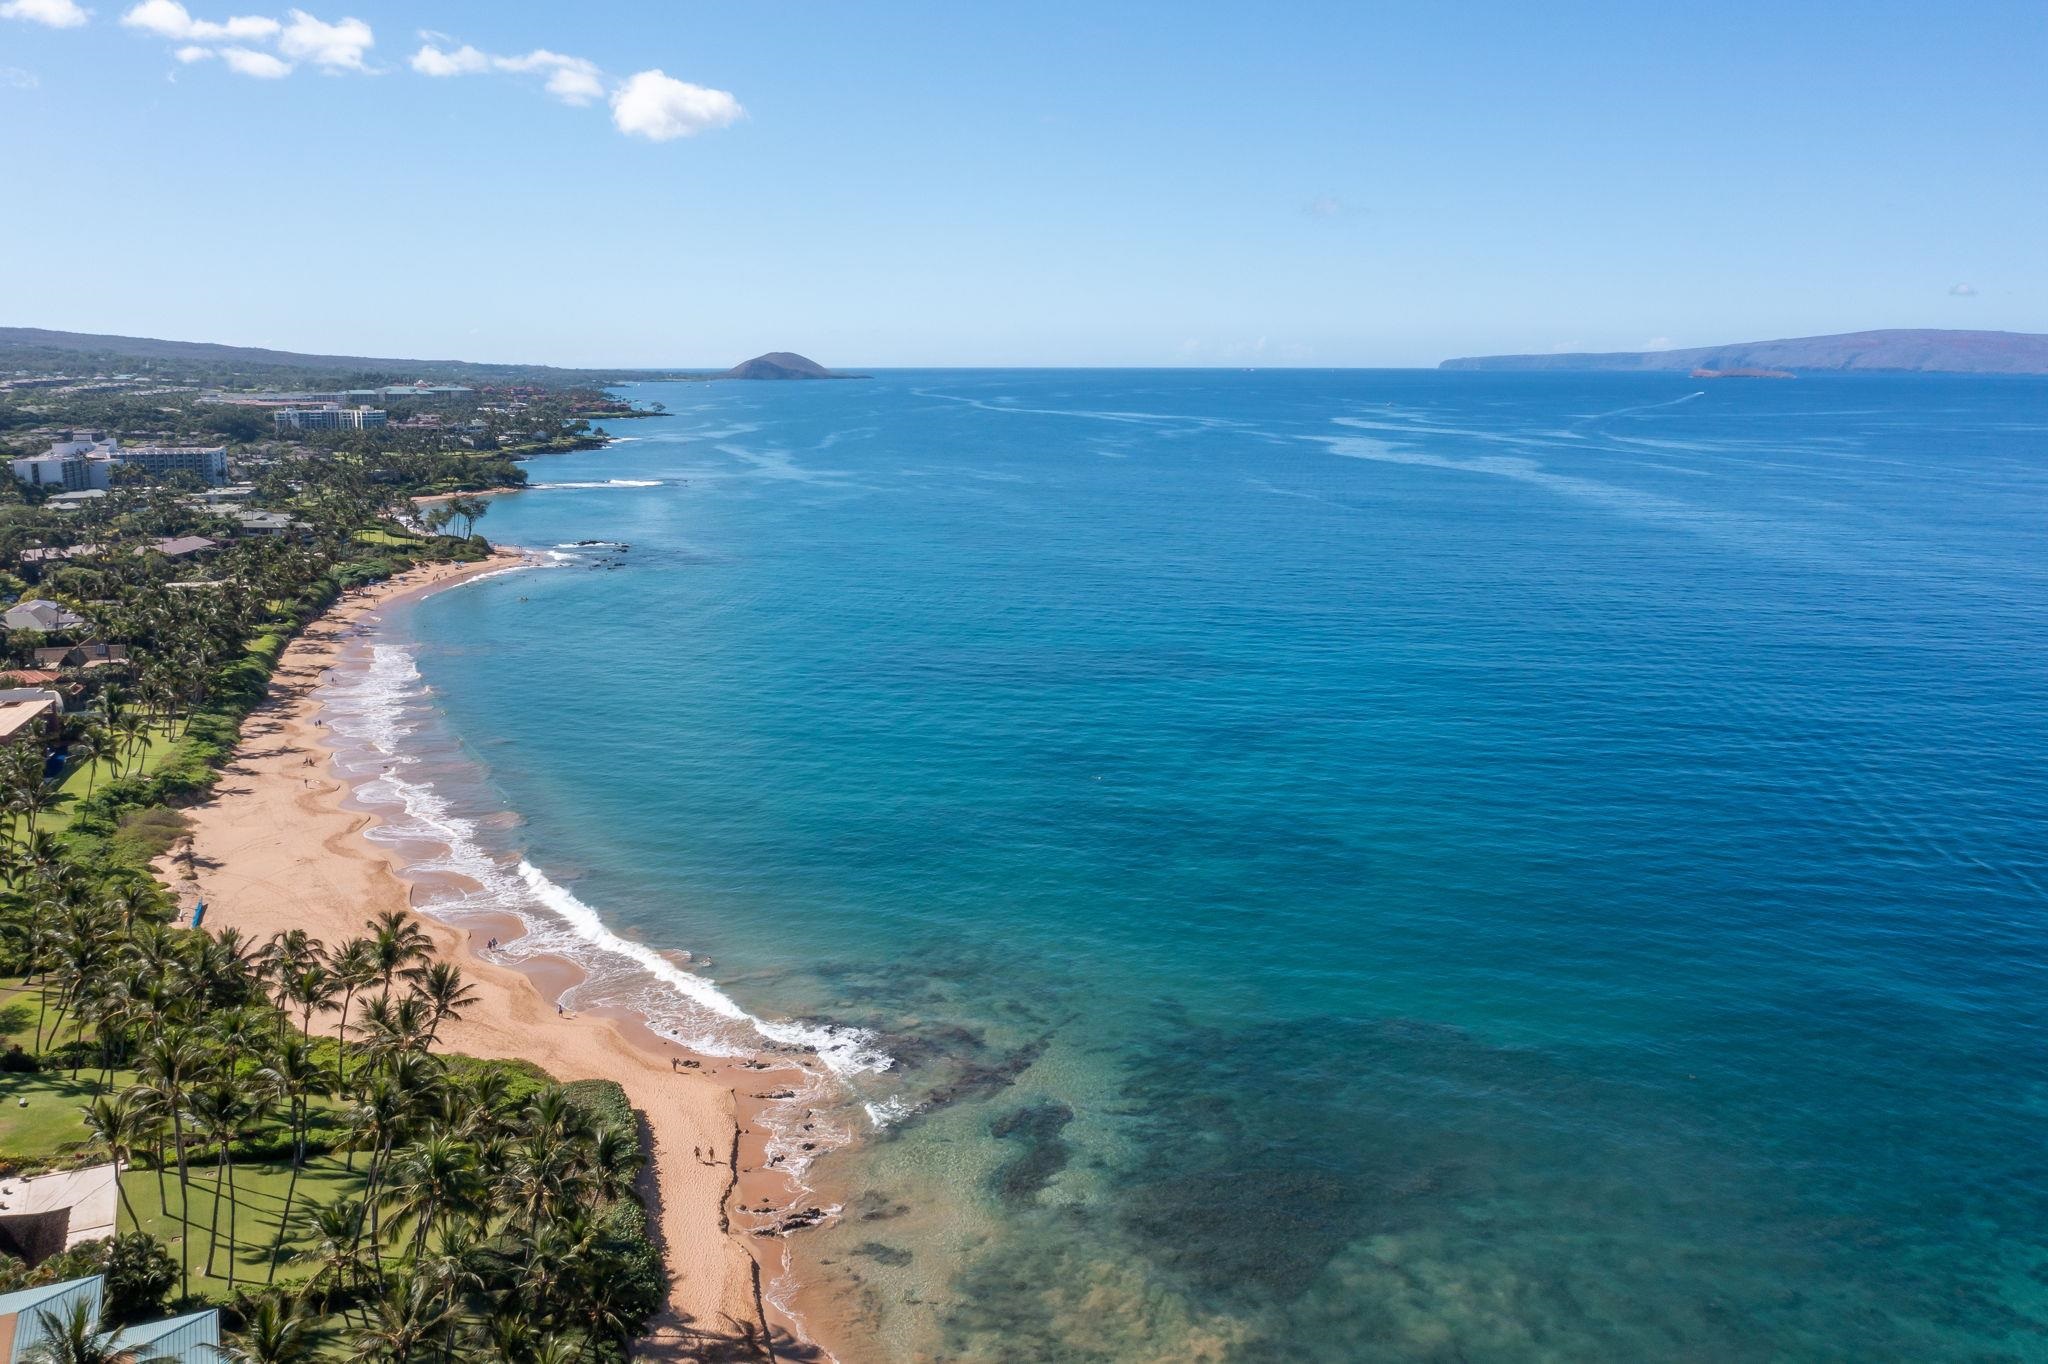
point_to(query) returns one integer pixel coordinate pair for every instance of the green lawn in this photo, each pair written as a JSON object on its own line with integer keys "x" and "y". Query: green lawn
{"x": 49, "y": 1126}
{"x": 385, "y": 537}
{"x": 259, "y": 1203}
{"x": 99, "y": 771}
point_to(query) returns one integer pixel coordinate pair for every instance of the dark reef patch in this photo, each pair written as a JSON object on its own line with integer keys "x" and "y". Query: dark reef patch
{"x": 1043, "y": 1152}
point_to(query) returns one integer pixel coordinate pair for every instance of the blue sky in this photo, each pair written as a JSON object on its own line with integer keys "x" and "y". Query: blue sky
{"x": 676, "y": 182}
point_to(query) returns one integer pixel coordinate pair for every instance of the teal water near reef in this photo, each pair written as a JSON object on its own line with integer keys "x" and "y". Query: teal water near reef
{"x": 1342, "y": 866}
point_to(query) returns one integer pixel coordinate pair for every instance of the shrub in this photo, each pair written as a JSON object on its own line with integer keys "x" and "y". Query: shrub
{"x": 604, "y": 1100}
{"x": 140, "y": 1274}
{"x": 142, "y": 836}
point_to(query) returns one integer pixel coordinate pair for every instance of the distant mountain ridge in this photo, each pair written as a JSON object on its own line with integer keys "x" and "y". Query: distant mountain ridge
{"x": 782, "y": 364}
{"x": 20, "y": 346}
{"x": 1910, "y": 351}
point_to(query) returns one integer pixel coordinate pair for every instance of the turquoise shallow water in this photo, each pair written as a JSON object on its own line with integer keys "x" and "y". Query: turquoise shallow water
{"x": 1348, "y": 866}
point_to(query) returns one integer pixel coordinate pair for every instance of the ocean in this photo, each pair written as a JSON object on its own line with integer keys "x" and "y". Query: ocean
{"x": 1308, "y": 865}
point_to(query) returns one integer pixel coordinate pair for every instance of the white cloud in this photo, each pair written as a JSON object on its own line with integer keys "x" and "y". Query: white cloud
{"x": 1962, "y": 290}
{"x": 245, "y": 42}
{"x": 462, "y": 61}
{"x": 248, "y": 61}
{"x": 14, "y": 78}
{"x": 657, "y": 106}
{"x": 169, "y": 19}
{"x": 1324, "y": 206}
{"x": 337, "y": 46}
{"x": 572, "y": 80}
{"x": 54, "y": 13}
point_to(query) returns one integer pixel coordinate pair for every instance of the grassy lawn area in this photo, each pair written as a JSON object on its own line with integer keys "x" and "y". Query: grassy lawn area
{"x": 50, "y": 1125}
{"x": 259, "y": 1204}
{"x": 99, "y": 771}
{"x": 385, "y": 537}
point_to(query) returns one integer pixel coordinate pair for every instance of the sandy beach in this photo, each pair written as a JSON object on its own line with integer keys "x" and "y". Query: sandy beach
{"x": 277, "y": 847}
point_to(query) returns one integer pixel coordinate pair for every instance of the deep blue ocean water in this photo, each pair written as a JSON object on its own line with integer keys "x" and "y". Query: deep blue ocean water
{"x": 1347, "y": 866}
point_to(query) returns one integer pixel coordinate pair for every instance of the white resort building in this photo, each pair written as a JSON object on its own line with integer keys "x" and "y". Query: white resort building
{"x": 85, "y": 460}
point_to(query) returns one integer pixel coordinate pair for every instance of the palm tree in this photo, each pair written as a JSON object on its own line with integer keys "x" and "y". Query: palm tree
{"x": 446, "y": 994}
{"x": 85, "y": 749}
{"x": 337, "y": 1251}
{"x": 354, "y": 967}
{"x": 74, "y": 1337}
{"x": 397, "y": 944}
{"x": 312, "y": 988}
{"x": 283, "y": 957}
{"x": 435, "y": 1177}
{"x": 276, "y": 1329}
{"x": 171, "y": 1064}
{"x": 394, "y": 1027}
{"x": 215, "y": 1109}
{"x": 407, "y": 1322}
{"x": 117, "y": 1127}
{"x": 293, "y": 1077}
{"x": 614, "y": 1163}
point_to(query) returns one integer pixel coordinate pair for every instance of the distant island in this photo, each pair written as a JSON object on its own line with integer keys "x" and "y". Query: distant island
{"x": 783, "y": 364}
{"x": 1908, "y": 351}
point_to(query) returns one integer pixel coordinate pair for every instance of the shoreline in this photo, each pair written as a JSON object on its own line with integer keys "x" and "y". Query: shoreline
{"x": 280, "y": 844}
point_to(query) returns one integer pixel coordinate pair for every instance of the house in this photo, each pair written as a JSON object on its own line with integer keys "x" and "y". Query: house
{"x": 22, "y": 1313}
{"x": 29, "y": 713}
{"x": 39, "y": 613}
{"x": 194, "y": 1337}
{"x": 70, "y": 688}
{"x": 184, "y": 546}
{"x": 266, "y": 523}
{"x": 81, "y": 655}
{"x": 58, "y": 555}
{"x": 190, "y": 1339}
{"x": 50, "y": 1213}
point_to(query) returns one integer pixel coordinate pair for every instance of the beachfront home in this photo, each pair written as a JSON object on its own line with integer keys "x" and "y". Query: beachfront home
{"x": 194, "y": 1336}
{"x": 22, "y": 1313}
{"x": 39, "y": 613}
{"x": 190, "y": 1339}
{"x": 29, "y": 714}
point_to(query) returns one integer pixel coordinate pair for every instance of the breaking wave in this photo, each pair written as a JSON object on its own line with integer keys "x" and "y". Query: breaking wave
{"x": 369, "y": 707}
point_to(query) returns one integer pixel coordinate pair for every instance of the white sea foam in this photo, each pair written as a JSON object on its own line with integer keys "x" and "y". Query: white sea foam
{"x": 369, "y": 707}
{"x": 890, "y": 1111}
